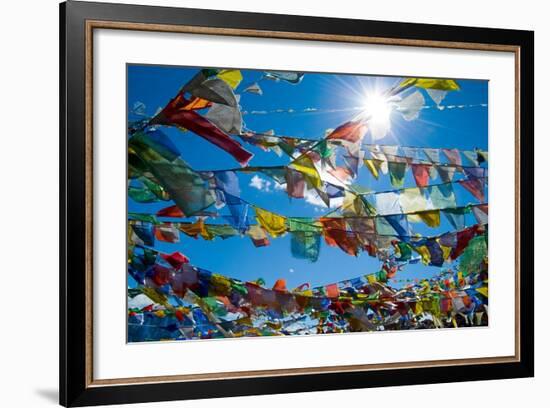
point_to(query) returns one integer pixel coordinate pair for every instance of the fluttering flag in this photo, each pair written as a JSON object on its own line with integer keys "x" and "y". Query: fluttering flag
{"x": 215, "y": 90}
{"x": 411, "y": 105}
{"x": 352, "y": 131}
{"x": 257, "y": 235}
{"x": 171, "y": 211}
{"x": 412, "y": 200}
{"x": 475, "y": 186}
{"x": 430, "y": 83}
{"x": 421, "y": 174}
{"x": 431, "y": 218}
{"x": 334, "y": 230}
{"x": 453, "y": 155}
{"x": 273, "y": 223}
{"x": 291, "y": 77}
{"x": 373, "y": 165}
{"x": 432, "y": 154}
{"x": 295, "y": 183}
{"x": 203, "y": 127}
{"x": 456, "y": 216}
{"x": 176, "y": 259}
{"x": 305, "y": 238}
{"x": 446, "y": 173}
{"x": 227, "y": 118}
{"x": 254, "y": 89}
{"x": 232, "y": 77}
{"x": 397, "y": 172}
{"x": 167, "y": 232}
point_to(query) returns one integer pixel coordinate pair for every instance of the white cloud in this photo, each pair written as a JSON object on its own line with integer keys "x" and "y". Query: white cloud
{"x": 291, "y": 270}
{"x": 278, "y": 186}
{"x": 260, "y": 184}
{"x": 313, "y": 198}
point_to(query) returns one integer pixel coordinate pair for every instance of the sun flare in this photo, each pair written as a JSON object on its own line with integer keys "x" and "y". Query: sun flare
{"x": 378, "y": 111}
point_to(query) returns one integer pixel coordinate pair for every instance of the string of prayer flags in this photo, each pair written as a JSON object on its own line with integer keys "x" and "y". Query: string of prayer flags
{"x": 205, "y": 299}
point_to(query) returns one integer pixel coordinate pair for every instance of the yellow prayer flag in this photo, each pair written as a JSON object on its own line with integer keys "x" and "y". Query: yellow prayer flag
{"x": 430, "y": 218}
{"x": 273, "y": 223}
{"x": 446, "y": 251}
{"x": 373, "y": 166}
{"x": 424, "y": 252}
{"x": 232, "y": 77}
{"x": 431, "y": 83}
{"x": 412, "y": 200}
{"x": 371, "y": 278}
{"x": 305, "y": 166}
{"x": 484, "y": 290}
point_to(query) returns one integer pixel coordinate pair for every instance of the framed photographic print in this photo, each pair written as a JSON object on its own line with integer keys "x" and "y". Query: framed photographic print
{"x": 255, "y": 204}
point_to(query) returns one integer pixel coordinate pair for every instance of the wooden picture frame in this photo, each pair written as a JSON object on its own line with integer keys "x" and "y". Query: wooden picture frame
{"x": 78, "y": 20}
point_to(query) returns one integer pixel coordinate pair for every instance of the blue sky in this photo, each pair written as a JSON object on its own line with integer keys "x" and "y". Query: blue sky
{"x": 236, "y": 257}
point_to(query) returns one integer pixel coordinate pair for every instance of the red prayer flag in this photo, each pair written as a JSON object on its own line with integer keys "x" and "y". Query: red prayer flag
{"x": 172, "y": 211}
{"x": 349, "y": 131}
{"x": 332, "y": 290}
{"x": 175, "y": 115}
{"x": 421, "y": 173}
{"x": 280, "y": 285}
{"x": 176, "y": 259}
{"x": 334, "y": 230}
{"x": 463, "y": 238}
{"x": 475, "y": 187}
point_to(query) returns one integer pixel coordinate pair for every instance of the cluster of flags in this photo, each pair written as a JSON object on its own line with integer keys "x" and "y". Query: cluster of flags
{"x": 170, "y": 298}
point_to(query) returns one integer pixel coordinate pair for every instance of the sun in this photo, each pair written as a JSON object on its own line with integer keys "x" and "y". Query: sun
{"x": 377, "y": 110}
